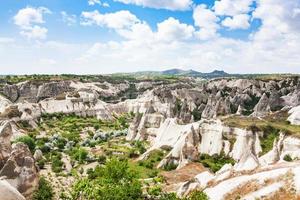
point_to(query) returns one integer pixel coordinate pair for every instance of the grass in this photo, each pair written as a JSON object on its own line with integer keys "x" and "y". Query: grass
{"x": 147, "y": 167}
{"x": 143, "y": 171}
{"x": 267, "y": 141}
{"x": 278, "y": 123}
{"x": 271, "y": 126}
{"x": 215, "y": 162}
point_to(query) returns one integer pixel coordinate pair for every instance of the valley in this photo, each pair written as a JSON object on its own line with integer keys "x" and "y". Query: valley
{"x": 155, "y": 136}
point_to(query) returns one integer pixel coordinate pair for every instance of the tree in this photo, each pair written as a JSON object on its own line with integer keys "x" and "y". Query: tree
{"x": 114, "y": 181}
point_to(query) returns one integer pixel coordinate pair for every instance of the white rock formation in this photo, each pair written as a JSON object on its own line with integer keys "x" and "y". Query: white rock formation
{"x": 294, "y": 117}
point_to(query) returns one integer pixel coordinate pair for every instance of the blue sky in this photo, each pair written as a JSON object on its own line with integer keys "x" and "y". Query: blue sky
{"x": 105, "y": 36}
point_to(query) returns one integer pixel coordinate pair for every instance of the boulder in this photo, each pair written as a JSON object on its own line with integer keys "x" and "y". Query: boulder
{"x": 38, "y": 155}
{"x": 8, "y": 192}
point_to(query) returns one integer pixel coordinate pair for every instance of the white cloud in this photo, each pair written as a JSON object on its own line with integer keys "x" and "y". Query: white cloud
{"x": 162, "y": 4}
{"x": 240, "y": 21}
{"x": 68, "y": 19}
{"x": 274, "y": 47}
{"x": 207, "y": 21}
{"x": 117, "y": 20}
{"x": 105, "y": 4}
{"x": 171, "y": 29}
{"x": 94, "y": 2}
{"x": 232, "y": 7}
{"x": 28, "y": 18}
{"x": 35, "y": 32}
{"x": 6, "y": 40}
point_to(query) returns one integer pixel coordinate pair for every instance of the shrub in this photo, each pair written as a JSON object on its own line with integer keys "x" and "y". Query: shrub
{"x": 170, "y": 166}
{"x": 28, "y": 141}
{"x": 102, "y": 159}
{"x": 197, "y": 195}
{"x": 287, "y": 158}
{"x": 215, "y": 162}
{"x": 114, "y": 181}
{"x": 56, "y": 163}
{"x": 196, "y": 114}
{"x": 79, "y": 154}
{"x": 41, "y": 163}
{"x": 266, "y": 142}
{"x": 44, "y": 191}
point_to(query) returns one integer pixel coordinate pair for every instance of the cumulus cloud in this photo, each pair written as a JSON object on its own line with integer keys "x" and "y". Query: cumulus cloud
{"x": 130, "y": 27}
{"x": 232, "y": 7}
{"x": 207, "y": 21}
{"x": 171, "y": 29}
{"x": 28, "y": 18}
{"x": 237, "y": 12}
{"x": 240, "y": 21}
{"x": 117, "y": 20}
{"x": 68, "y": 19}
{"x": 274, "y": 47}
{"x": 165, "y": 4}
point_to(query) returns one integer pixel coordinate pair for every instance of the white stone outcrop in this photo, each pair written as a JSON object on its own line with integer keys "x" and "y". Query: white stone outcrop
{"x": 294, "y": 117}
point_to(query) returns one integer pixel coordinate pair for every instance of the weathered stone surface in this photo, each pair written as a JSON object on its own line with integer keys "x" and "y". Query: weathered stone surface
{"x": 262, "y": 107}
{"x": 11, "y": 92}
{"x": 5, "y": 146}
{"x": 20, "y": 170}
{"x": 8, "y": 192}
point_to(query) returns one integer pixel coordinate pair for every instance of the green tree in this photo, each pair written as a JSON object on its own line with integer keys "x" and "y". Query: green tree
{"x": 114, "y": 181}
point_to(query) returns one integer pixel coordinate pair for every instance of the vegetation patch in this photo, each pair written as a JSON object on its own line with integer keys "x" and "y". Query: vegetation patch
{"x": 278, "y": 123}
{"x": 269, "y": 135}
{"x": 215, "y": 162}
{"x": 44, "y": 191}
{"x": 288, "y": 158}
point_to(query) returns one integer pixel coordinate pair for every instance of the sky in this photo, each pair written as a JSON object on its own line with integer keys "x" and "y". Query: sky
{"x": 107, "y": 36}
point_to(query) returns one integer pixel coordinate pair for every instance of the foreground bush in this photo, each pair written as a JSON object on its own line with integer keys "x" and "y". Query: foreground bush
{"x": 114, "y": 181}
{"x": 44, "y": 191}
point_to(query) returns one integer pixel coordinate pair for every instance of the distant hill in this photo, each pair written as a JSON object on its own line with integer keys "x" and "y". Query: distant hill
{"x": 180, "y": 72}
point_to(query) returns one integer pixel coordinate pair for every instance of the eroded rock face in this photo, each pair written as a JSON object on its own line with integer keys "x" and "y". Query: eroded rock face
{"x": 294, "y": 117}
{"x": 262, "y": 107}
{"x": 5, "y": 145}
{"x": 20, "y": 170}
{"x": 11, "y": 92}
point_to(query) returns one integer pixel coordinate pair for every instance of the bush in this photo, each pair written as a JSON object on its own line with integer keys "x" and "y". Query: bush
{"x": 170, "y": 166}
{"x": 266, "y": 142}
{"x": 102, "y": 159}
{"x": 56, "y": 163}
{"x": 114, "y": 181}
{"x": 197, "y": 195}
{"x": 215, "y": 162}
{"x": 287, "y": 158}
{"x": 28, "y": 141}
{"x": 41, "y": 163}
{"x": 79, "y": 154}
{"x": 44, "y": 191}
